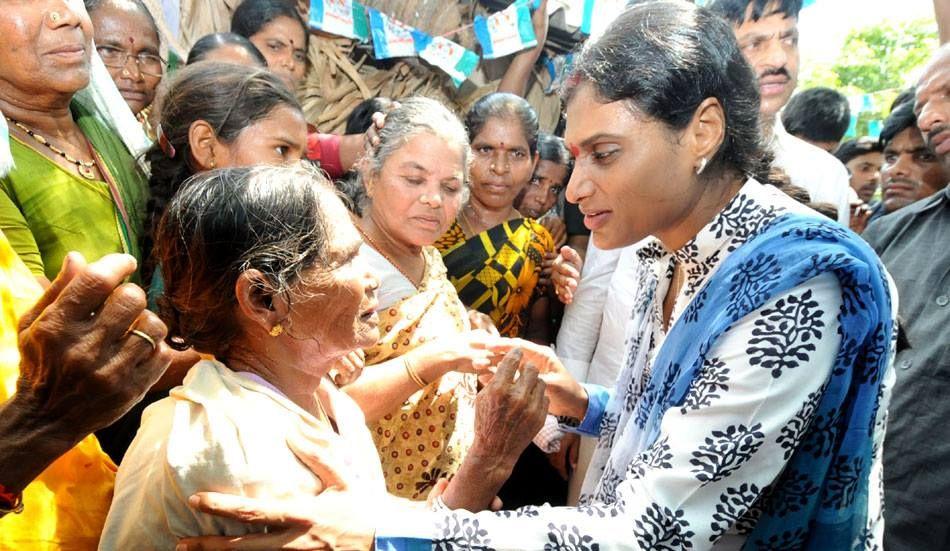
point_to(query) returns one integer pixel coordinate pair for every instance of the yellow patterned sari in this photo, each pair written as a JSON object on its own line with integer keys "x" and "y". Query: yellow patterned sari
{"x": 66, "y": 506}
{"x": 496, "y": 272}
{"x": 429, "y": 435}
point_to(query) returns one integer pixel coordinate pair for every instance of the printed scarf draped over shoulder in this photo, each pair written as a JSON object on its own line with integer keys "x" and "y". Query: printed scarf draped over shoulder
{"x": 790, "y": 251}
{"x": 496, "y": 272}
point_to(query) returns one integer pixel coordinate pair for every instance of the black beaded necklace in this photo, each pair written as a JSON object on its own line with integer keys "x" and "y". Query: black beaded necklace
{"x": 86, "y": 168}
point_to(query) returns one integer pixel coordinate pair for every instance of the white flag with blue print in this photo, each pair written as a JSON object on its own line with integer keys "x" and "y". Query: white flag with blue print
{"x": 506, "y": 32}
{"x": 391, "y": 38}
{"x": 455, "y": 60}
{"x": 6, "y": 157}
{"x": 340, "y": 17}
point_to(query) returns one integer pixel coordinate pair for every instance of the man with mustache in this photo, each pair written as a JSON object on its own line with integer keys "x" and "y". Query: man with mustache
{"x": 912, "y": 244}
{"x": 911, "y": 170}
{"x": 767, "y": 33}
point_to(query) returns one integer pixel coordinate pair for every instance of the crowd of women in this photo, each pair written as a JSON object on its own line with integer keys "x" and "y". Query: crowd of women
{"x": 351, "y": 346}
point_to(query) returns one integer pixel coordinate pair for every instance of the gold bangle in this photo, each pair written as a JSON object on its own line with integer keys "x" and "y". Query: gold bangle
{"x": 412, "y": 373}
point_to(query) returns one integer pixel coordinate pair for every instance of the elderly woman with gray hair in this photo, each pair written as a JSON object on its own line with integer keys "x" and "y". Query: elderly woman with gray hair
{"x": 418, "y": 392}
{"x": 266, "y": 274}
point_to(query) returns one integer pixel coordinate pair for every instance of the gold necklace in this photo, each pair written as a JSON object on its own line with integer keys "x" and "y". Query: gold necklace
{"x": 85, "y": 168}
{"x": 372, "y": 243}
{"x": 466, "y": 220}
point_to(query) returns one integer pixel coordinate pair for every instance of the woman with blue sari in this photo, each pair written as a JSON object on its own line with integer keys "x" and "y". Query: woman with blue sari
{"x": 750, "y": 406}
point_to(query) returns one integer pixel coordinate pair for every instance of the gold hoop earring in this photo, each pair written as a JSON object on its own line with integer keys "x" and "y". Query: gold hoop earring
{"x": 276, "y": 330}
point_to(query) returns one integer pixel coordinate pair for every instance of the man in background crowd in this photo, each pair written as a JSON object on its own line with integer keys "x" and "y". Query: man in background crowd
{"x": 767, "y": 33}
{"x": 863, "y": 159}
{"x": 912, "y": 245}
{"x": 819, "y": 116}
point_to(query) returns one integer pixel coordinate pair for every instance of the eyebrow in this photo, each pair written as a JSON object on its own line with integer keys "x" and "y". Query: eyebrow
{"x": 600, "y": 136}
{"x": 351, "y": 252}
{"x": 415, "y": 166}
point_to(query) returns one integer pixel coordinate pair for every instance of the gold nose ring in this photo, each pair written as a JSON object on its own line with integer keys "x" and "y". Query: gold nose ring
{"x": 54, "y": 16}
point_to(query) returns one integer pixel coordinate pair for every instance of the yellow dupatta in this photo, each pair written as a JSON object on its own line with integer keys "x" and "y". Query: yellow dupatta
{"x": 66, "y": 506}
{"x": 429, "y": 435}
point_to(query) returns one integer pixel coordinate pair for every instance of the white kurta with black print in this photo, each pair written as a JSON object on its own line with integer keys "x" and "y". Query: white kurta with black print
{"x": 697, "y": 486}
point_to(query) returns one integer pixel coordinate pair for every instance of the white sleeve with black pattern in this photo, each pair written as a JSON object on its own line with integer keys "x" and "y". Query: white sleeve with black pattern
{"x": 729, "y": 440}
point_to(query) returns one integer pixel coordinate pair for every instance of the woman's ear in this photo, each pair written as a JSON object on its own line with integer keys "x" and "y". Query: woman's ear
{"x": 707, "y": 130}
{"x": 258, "y": 304}
{"x": 369, "y": 177}
{"x": 204, "y": 146}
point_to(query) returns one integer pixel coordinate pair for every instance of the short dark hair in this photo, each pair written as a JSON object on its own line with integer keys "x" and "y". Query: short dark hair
{"x": 361, "y": 118}
{"x": 552, "y": 148}
{"x": 227, "y": 221}
{"x": 253, "y": 15}
{"x": 502, "y": 105}
{"x": 211, "y": 42}
{"x": 93, "y": 5}
{"x": 905, "y": 96}
{"x": 734, "y": 11}
{"x": 666, "y": 58}
{"x": 855, "y": 148}
{"x": 817, "y": 114}
{"x": 900, "y": 119}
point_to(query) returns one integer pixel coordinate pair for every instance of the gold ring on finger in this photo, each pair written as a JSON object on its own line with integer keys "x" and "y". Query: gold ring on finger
{"x": 146, "y": 336}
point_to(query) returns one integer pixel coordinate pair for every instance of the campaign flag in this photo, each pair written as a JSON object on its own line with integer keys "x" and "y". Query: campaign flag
{"x": 6, "y": 158}
{"x": 506, "y": 32}
{"x": 391, "y": 38}
{"x": 455, "y": 60}
{"x": 340, "y": 17}
{"x": 874, "y": 128}
{"x": 558, "y": 68}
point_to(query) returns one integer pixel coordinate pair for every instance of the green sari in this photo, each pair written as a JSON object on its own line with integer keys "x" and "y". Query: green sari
{"x": 46, "y": 211}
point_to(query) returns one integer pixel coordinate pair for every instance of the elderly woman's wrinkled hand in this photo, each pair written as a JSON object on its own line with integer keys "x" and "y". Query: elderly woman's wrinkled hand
{"x": 469, "y": 352}
{"x": 567, "y": 397}
{"x": 82, "y": 366}
{"x": 566, "y": 274}
{"x": 510, "y": 410}
{"x": 348, "y": 368}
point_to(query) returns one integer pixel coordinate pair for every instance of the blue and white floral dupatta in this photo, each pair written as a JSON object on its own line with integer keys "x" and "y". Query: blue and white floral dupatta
{"x": 791, "y": 250}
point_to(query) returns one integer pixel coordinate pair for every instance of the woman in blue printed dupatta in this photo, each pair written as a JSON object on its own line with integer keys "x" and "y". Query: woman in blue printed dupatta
{"x": 749, "y": 410}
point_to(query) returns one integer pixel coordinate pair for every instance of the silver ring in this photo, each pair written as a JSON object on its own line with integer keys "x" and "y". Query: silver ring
{"x": 145, "y": 336}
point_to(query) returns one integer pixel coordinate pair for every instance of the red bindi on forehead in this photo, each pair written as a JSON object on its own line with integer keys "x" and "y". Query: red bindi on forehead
{"x": 575, "y": 151}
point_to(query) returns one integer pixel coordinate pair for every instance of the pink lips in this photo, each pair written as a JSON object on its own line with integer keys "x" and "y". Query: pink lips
{"x": 770, "y": 86}
{"x": 71, "y": 52}
{"x": 595, "y": 220}
{"x": 434, "y": 223}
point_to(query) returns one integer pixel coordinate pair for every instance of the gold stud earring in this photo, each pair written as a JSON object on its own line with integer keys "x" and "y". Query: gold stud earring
{"x": 214, "y": 165}
{"x": 276, "y": 330}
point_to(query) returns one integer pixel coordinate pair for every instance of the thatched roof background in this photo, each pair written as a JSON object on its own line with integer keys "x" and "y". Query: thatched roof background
{"x": 341, "y": 74}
